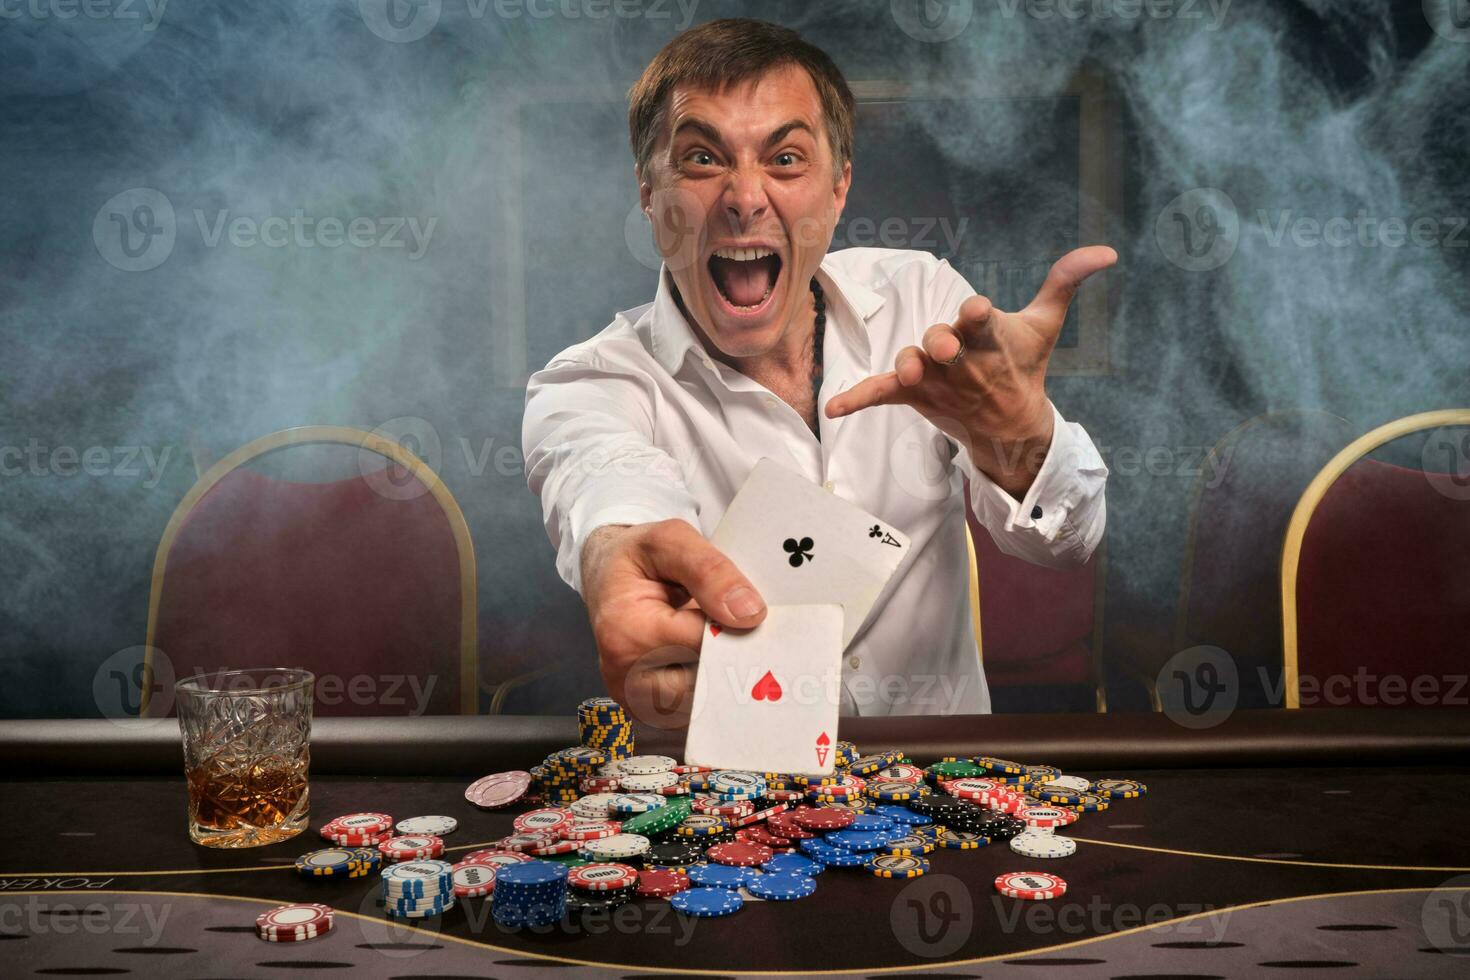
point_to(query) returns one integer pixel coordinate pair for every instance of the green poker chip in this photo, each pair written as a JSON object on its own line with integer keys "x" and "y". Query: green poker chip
{"x": 955, "y": 770}
{"x": 660, "y": 820}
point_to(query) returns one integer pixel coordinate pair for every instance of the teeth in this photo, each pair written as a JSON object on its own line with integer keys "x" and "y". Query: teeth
{"x": 744, "y": 254}
{"x": 755, "y": 306}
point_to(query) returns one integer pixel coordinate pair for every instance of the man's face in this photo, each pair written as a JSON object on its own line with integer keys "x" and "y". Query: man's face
{"x": 743, "y": 198}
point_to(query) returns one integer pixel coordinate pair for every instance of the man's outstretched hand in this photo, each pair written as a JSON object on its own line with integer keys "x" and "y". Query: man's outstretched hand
{"x": 648, "y": 588}
{"x": 993, "y": 399}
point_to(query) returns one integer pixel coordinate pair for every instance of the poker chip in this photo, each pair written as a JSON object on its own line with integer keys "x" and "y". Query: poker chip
{"x": 720, "y": 876}
{"x": 435, "y": 826}
{"x": 473, "y": 880}
{"x": 871, "y": 821}
{"x": 762, "y": 835}
{"x": 293, "y": 923}
{"x": 1120, "y": 789}
{"x": 417, "y": 879}
{"x": 782, "y": 887}
{"x": 661, "y": 883}
{"x": 1063, "y": 795}
{"x": 499, "y": 789}
{"x": 867, "y": 765}
{"x": 855, "y": 804}
{"x": 495, "y": 856}
{"x": 338, "y": 862}
{"x": 658, "y": 821}
{"x": 632, "y": 803}
{"x": 785, "y": 825}
{"x": 736, "y": 784}
{"x": 580, "y": 902}
{"x": 893, "y": 790}
{"x": 546, "y": 820}
{"x": 722, "y": 808}
{"x": 1090, "y": 802}
{"x": 1076, "y": 784}
{"x": 902, "y": 815}
{"x": 832, "y": 857}
{"x": 530, "y": 894}
{"x": 759, "y": 816}
{"x": 860, "y": 840}
{"x": 956, "y": 770}
{"x": 1002, "y": 766}
{"x": 647, "y": 765}
{"x": 976, "y": 789}
{"x": 595, "y": 806}
{"x": 1041, "y": 774}
{"x": 707, "y": 902}
{"x": 594, "y": 830}
{"x": 701, "y": 825}
{"x": 1045, "y": 816}
{"x": 603, "y": 876}
{"x": 900, "y": 773}
{"x": 740, "y": 854}
{"x": 823, "y": 819}
{"x": 673, "y": 856}
{"x": 1038, "y": 845}
{"x": 412, "y": 847}
{"x": 359, "y": 824}
{"x": 524, "y": 842}
{"x": 961, "y": 840}
{"x": 795, "y": 864}
{"x": 910, "y": 845}
{"x": 1030, "y": 885}
{"x": 897, "y": 866}
{"x": 649, "y": 782}
{"x": 617, "y": 846}
{"x": 556, "y": 848}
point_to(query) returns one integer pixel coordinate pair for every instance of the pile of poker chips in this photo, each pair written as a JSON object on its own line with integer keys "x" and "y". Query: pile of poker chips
{"x": 358, "y": 829}
{"x": 340, "y": 862}
{"x": 600, "y": 887}
{"x": 412, "y": 847}
{"x": 530, "y": 894}
{"x": 294, "y": 923}
{"x": 418, "y": 889}
{"x": 603, "y": 724}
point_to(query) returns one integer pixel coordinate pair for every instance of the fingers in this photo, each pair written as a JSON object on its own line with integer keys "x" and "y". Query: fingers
{"x": 894, "y": 388}
{"x": 1069, "y": 272}
{"x": 673, "y": 551}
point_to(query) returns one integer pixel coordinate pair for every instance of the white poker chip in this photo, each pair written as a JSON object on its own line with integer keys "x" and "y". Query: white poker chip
{"x": 595, "y": 806}
{"x": 437, "y": 826}
{"x": 646, "y": 765}
{"x": 647, "y": 782}
{"x": 1034, "y": 845}
{"x": 637, "y": 802}
{"x": 1074, "y": 783}
{"x": 616, "y": 846}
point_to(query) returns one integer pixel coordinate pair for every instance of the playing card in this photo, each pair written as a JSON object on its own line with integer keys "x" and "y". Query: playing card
{"x": 766, "y": 699}
{"x": 800, "y": 544}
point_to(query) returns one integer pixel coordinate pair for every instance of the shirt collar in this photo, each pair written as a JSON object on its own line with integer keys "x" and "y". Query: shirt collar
{"x": 672, "y": 338}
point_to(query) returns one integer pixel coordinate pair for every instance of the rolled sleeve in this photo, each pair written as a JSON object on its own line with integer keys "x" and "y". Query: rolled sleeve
{"x": 590, "y": 457}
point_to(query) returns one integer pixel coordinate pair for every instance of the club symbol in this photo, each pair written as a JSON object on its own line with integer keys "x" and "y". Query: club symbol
{"x": 875, "y": 531}
{"x": 799, "y": 551}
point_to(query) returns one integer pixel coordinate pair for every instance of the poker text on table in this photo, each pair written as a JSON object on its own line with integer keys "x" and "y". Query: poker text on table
{"x": 637, "y": 438}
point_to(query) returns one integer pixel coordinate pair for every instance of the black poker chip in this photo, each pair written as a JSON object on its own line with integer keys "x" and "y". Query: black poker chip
{"x": 582, "y": 901}
{"x": 673, "y": 854}
{"x": 1003, "y": 829}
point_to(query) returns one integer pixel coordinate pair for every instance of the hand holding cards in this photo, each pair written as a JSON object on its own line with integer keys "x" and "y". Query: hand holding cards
{"x": 767, "y": 699}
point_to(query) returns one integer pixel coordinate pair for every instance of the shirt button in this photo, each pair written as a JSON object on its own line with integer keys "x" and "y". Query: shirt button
{"x": 1036, "y": 513}
{"x": 854, "y": 661}
{"x": 771, "y": 404}
{"x": 828, "y": 485}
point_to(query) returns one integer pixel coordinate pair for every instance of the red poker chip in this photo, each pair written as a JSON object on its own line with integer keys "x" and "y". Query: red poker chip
{"x": 785, "y": 826}
{"x": 555, "y": 847}
{"x": 524, "y": 842}
{"x": 358, "y": 824}
{"x": 739, "y": 854}
{"x": 551, "y": 819}
{"x": 690, "y": 770}
{"x": 722, "y": 808}
{"x": 473, "y": 880}
{"x": 760, "y": 835}
{"x": 356, "y": 840}
{"x": 785, "y": 795}
{"x": 288, "y": 920}
{"x": 414, "y": 847}
{"x": 498, "y": 789}
{"x": 495, "y": 856}
{"x": 674, "y": 789}
{"x": 759, "y": 815}
{"x": 823, "y": 820}
{"x": 603, "y": 877}
{"x": 1046, "y": 816}
{"x": 1033, "y": 886}
{"x": 900, "y": 772}
{"x": 661, "y": 883}
{"x": 592, "y": 830}
{"x": 600, "y": 784}
{"x": 975, "y": 789}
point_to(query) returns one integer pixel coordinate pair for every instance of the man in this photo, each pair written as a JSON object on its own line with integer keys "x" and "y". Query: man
{"x": 878, "y": 373}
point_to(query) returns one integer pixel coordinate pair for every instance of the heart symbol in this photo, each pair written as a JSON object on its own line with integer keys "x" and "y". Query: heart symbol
{"x": 766, "y": 689}
{"x": 714, "y": 629}
{"x": 822, "y": 739}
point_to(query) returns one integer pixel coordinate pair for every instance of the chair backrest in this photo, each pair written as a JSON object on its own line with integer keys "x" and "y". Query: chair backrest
{"x": 1375, "y": 591}
{"x": 367, "y": 581}
{"x": 1243, "y": 496}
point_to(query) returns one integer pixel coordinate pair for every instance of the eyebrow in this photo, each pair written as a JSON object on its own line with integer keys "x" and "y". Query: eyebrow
{"x": 709, "y": 132}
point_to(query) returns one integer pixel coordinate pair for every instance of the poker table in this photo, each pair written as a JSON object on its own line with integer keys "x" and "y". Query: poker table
{"x": 1273, "y": 843}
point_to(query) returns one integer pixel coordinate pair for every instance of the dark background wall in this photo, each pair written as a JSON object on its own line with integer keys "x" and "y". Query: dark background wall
{"x": 485, "y": 145}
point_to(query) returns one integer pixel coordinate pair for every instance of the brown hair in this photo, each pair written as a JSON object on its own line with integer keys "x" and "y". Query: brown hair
{"x": 726, "y": 52}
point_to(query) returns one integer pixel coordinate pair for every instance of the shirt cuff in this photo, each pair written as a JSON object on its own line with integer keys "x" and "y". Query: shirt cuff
{"x": 1060, "y": 517}
{"x": 591, "y": 511}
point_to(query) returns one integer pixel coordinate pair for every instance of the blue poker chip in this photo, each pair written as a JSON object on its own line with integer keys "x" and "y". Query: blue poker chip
{"x": 901, "y": 815}
{"x": 718, "y": 876}
{"x": 707, "y": 903}
{"x": 833, "y": 857}
{"x": 793, "y": 864}
{"x": 860, "y": 840}
{"x": 871, "y": 821}
{"x": 782, "y": 887}
{"x": 529, "y": 874}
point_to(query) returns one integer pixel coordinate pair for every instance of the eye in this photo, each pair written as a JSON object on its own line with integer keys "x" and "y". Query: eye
{"x": 787, "y": 159}
{"x": 700, "y": 158}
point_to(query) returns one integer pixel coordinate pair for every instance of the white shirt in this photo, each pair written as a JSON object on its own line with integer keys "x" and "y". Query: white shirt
{"x": 640, "y": 424}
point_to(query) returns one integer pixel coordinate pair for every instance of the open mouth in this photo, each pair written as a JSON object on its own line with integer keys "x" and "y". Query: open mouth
{"x": 745, "y": 277}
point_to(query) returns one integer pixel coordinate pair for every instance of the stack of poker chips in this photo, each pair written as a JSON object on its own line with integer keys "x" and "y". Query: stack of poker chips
{"x": 412, "y": 847}
{"x": 600, "y": 887}
{"x": 558, "y": 780}
{"x": 340, "y": 862}
{"x": 529, "y": 894}
{"x": 294, "y": 923}
{"x": 417, "y": 889}
{"x": 358, "y": 829}
{"x": 603, "y": 724}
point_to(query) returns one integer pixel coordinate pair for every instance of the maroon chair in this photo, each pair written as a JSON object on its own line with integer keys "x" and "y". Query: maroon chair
{"x": 1041, "y": 626}
{"x": 1374, "y": 586}
{"x": 368, "y": 581}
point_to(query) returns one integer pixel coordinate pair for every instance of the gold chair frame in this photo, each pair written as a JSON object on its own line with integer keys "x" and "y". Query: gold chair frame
{"x": 1296, "y": 531}
{"x": 335, "y": 435}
